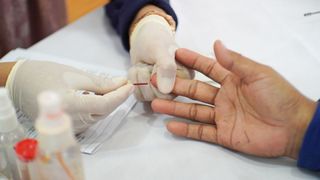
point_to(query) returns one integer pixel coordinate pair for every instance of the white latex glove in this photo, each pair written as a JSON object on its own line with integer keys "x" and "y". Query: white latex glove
{"x": 29, "y": 78}
{"x": 152, "y": 44}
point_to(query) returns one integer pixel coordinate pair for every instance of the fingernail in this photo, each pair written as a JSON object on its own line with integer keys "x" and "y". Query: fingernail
{"x": 153, "y": 80}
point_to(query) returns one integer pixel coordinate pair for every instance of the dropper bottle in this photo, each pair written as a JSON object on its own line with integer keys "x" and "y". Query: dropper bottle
{"x": 10, "y": 133}
{"x": 59, "y": 152}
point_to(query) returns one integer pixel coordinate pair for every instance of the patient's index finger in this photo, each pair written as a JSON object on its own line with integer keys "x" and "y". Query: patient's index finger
{"x": 205, "y": 65}
{"x": 196, "y": 90}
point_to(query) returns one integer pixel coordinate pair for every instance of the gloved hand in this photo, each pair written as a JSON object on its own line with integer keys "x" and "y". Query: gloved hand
{"x": 29, "y": 78}
{"x": 143, "y": 72}
{"x": 153, "y": 51}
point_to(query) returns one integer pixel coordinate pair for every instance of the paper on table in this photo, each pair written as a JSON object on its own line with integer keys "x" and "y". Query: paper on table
{"x": 92, "y": 138}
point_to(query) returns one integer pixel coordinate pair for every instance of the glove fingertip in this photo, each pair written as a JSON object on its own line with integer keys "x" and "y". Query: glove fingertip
{"x": 165, "y": 79}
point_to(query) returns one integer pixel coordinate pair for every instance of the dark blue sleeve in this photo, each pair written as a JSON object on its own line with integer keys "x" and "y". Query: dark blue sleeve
{"x": 122, "y": 13}
{"x": 309, "y": 156}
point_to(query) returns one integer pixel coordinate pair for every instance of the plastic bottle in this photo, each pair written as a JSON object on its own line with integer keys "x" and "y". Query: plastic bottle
{"x": 10, "y": 133}
{"x": 5, "y": 172}
{"x": 59, "y": 153}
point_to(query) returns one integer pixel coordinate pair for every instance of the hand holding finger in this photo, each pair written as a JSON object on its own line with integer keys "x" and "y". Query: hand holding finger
{"x": 140, "y": 73}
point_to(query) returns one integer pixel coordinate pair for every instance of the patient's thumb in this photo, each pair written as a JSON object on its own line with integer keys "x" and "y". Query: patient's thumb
{"x": 234, "y": 62}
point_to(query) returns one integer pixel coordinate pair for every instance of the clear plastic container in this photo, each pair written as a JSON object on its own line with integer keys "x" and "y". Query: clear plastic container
{"x": 5, "y": 173}
{"x": 62, "y": 165}
{"x": 7, "y": 141}
{"x": 10, "y": 133}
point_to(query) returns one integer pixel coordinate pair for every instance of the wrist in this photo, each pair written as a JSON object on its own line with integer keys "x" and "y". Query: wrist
{"x": 10, "y": 83}
{"x": 301, "y": 122}
{"x": 152, "y": 23}
{"x": 151, "y": 10}
{"x": 5, "y": 69}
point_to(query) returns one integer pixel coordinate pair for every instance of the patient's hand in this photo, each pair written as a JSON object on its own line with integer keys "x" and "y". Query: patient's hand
{"x": 255, "y": 111}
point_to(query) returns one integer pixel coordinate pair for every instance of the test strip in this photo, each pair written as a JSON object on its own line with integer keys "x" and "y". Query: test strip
{"x": 140, "y": 84}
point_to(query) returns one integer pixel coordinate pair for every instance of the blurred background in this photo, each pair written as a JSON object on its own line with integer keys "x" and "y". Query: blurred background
{"x": 25, "y": 22}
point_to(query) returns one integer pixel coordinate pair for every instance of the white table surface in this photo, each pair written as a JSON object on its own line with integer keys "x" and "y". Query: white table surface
{"x": 273, "y": 32}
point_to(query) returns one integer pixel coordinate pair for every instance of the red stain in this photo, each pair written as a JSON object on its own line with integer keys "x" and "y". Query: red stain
{"x": 140, "y": 84}
{"x": 153, "y": 80}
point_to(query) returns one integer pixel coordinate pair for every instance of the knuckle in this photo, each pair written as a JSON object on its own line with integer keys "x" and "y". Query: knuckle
{"x": 213, "y": 98}
{"x": 194, "y": 63}
{"x": 193, "y": 111}
{"x": 210, "y": 68}
{"x": 174, "y": 107}
{"x": 188, "y": 134}
{"x": 212, "y": 117}
{"x": 200, "y": 132}
{"x": 193, "y": 87}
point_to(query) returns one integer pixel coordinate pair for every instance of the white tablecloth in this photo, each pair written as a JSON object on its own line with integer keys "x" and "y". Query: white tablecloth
{"x": 273, "y": 32}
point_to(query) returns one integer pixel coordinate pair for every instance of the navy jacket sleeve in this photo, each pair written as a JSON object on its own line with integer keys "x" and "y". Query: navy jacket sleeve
{"x": 309, "y": 156}
{"x": 122, "y": 13}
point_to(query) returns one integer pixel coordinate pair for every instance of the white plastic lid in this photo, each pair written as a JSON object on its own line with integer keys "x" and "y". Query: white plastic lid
{"x": 49, "y": 103}
{"x": 53, "y": 125}
{"x": 8, "y": 117}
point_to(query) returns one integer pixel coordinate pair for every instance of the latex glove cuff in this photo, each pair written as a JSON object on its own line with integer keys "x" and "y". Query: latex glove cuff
{"x": 151, "y": 19}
